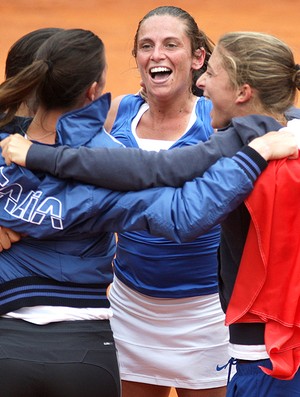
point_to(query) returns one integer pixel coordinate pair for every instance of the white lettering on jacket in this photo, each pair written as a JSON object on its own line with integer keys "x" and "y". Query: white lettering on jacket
{"x": 30, "y": 207}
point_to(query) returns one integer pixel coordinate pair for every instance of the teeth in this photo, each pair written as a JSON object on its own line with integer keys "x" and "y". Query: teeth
{"x": 160, "y": 69}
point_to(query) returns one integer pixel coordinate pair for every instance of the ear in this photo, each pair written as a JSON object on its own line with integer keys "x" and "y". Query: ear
{"x": 198, "y": 58}
{"x": 92, "y": 91}
{"x": 244, "y": 94}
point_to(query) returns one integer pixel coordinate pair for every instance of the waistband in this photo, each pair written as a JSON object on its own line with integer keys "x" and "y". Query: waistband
{"x": 246, "y": 367}
{"x": 247, "y": 333}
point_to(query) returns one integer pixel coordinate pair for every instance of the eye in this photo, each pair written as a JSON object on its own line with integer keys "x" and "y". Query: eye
{"x": 145, "y": 46}
{"x": 209, "y": 72}
{"x": 171, "y": 45}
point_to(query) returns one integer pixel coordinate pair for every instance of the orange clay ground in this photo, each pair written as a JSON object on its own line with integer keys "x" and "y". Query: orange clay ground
{"x": 115, "y": 21}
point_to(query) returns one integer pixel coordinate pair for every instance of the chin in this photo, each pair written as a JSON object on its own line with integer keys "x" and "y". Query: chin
{"x": 214, "y": 125}
{"x": 218, "y": 124}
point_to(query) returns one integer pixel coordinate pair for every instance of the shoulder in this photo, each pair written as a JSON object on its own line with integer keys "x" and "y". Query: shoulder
{"x": 292, "y": 113}
{"x": 111, "y": 116}
{"x": 122, "y": 106}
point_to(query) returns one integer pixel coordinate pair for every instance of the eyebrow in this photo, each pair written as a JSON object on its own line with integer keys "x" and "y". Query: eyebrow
{"x": 164, "y": 39}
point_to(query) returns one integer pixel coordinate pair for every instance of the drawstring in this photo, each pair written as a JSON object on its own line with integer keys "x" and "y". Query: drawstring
{"x": 232, "y": 361}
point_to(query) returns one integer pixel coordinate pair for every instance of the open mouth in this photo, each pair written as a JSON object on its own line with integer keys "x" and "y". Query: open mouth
{"x": 160, "y": 72}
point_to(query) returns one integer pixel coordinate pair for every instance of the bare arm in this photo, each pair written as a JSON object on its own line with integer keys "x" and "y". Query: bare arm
{"x": 112, "y": 114}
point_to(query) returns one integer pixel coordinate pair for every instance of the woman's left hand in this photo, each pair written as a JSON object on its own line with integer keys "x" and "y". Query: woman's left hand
{"x": 7, "y": 238}
{"x": 14, "y": 149}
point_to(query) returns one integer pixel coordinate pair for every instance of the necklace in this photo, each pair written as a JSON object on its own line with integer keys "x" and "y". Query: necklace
{"x": 40, "y": 137}
{"x": 48, "y": 133}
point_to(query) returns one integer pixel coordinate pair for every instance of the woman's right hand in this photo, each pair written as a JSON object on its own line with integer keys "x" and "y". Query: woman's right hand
{"x": 15, "y": 149}
{"x": 276, "y": 145}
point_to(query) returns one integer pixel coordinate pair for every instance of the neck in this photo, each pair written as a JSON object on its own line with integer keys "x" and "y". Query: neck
{"x": 171, "y": 108}
{"x": 257, "y": 108}
{"x": 43, "y": 126}
{"x": 166, "y": 121}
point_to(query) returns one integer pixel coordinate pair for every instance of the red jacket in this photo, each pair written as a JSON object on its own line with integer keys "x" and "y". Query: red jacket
{"x": 267, "y": 287}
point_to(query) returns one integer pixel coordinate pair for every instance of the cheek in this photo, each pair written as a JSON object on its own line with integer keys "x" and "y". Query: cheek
{"x": 182, "y": 61}
{"x": 142, "y": 60}
{"x": 142, "y": 71}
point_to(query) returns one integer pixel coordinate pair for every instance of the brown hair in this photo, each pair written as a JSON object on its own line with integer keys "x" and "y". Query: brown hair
{"x": 265, "y": 63}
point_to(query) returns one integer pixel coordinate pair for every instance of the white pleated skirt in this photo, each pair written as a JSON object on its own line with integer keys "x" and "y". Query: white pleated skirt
{"x": 169, "y": 342}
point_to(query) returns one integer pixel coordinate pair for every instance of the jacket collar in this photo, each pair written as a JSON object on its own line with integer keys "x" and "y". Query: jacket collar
{"x": 79, "y": 126}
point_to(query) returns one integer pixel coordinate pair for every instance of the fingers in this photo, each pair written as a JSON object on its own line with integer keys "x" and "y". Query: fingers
{"x": 13, "y": 236}
{"x": 294, "y": 127}
{"x": 7, "y": 238}
{"x": 4, "y": 144}
{"x": 276, "y": 145}
{"x": 14, "y": 149}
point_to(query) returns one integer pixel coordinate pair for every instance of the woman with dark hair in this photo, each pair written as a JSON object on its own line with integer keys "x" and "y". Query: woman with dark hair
{"x": 55, "y": 333}
{"x": 20, "y": 55}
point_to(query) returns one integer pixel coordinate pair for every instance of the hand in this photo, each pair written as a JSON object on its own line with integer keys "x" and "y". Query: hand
{"x": 15, "y": 149}
{"x": 294, "y": 127}
{"x": 7, "y": 237}
{"x": 276, "y": 145}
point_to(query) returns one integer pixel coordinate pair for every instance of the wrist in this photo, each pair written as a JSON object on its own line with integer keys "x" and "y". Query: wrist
{"x": 261, "y": 147}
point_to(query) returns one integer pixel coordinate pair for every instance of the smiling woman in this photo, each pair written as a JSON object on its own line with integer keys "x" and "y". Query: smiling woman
{"x": 170, "y": 52}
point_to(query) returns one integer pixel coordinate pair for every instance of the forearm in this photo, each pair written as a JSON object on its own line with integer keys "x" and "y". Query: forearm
{"x": 184, "y": 213}
{"x": 125, "y": 168}
{"x": 206, "y": 201}
{"x": 134, "y": 169}
{"x": 176, "y": 214}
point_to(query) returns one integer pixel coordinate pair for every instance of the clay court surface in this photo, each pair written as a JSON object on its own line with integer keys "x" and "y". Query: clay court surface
{"x": 115, "y": 21}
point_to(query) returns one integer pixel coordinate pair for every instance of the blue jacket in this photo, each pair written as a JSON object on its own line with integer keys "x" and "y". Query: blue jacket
{"x": 72, "y": 269}
{"x": 71, "y": 265}
{"x": 153, "y": 265}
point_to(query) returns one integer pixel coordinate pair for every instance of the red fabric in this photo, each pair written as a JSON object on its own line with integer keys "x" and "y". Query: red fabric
{"x": 267, "y": 288}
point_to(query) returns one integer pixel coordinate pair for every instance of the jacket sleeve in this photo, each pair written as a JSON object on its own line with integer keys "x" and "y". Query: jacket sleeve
{"x": 125, "y": 168}
{"x": 56, "y": 207}
{"x": 182, "y": 214}
{"x": 134, "y": 169}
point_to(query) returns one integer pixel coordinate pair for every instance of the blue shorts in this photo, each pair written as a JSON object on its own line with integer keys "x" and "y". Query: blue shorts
{"x": 250, "y": 381}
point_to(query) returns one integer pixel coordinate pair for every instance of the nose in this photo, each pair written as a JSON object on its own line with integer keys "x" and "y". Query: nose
{"x": 200, "y": 83}
{"x": 157, "y": 53}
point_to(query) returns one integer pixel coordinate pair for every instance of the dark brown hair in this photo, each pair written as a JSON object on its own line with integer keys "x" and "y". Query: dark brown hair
{"x": 23, "y": 51}
{"x": 64, "y": 66}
